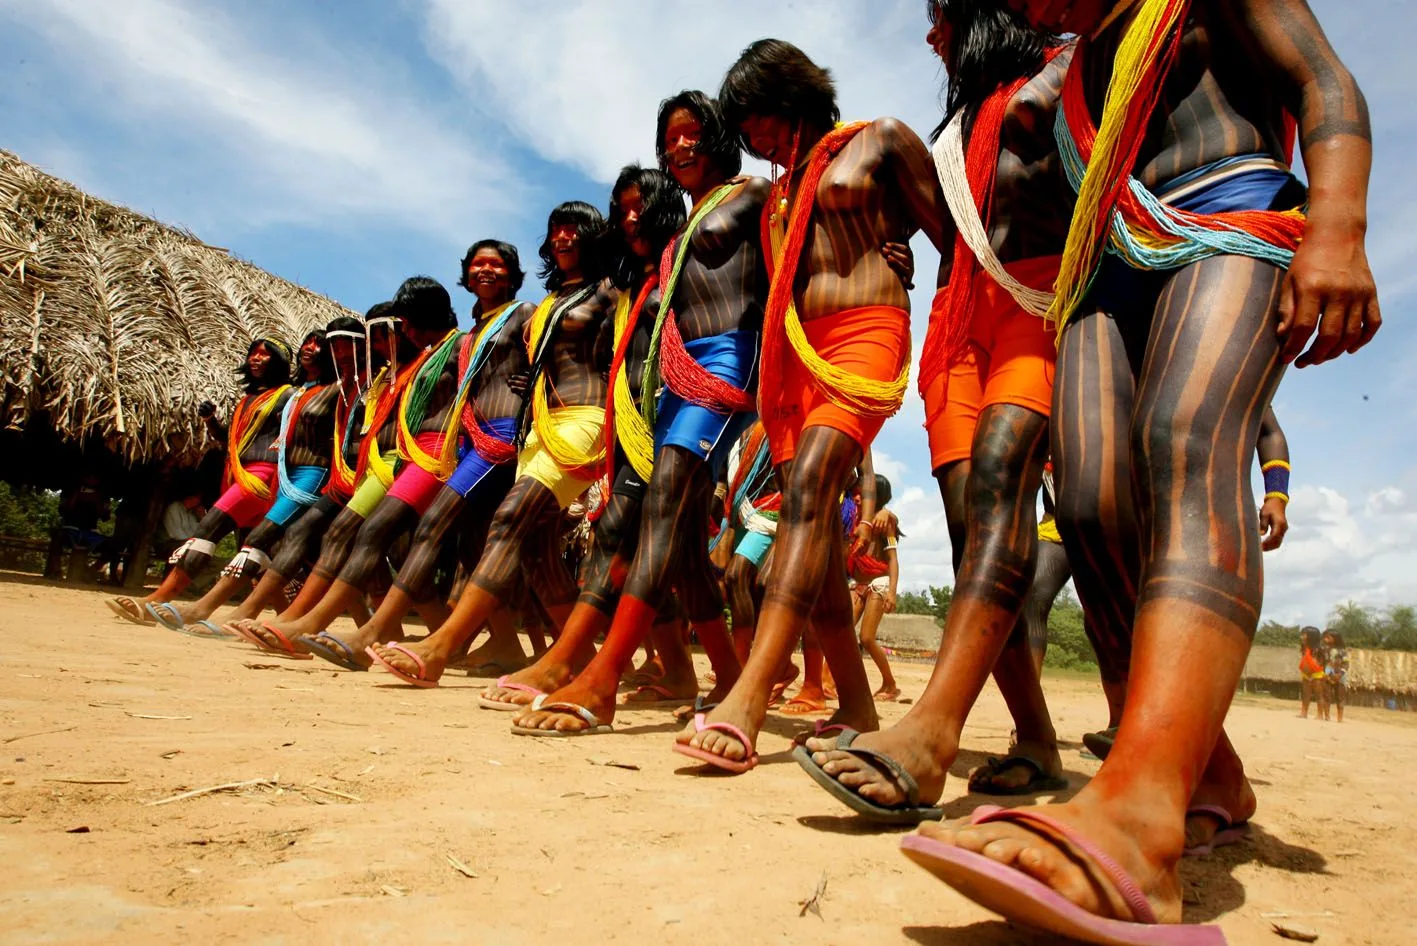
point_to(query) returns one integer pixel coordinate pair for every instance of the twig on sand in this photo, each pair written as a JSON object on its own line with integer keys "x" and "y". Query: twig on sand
{"x": 42, "y": 732}
{"x": 813, "y": 904}
{"x": 331, "y": 791}
{"x": 227, "y": 787}
{"x": 460, "y": 867}
{"x": 150, "y": 716}
{"x": 1295, "y": 933}
{"x": 91, "y": 781}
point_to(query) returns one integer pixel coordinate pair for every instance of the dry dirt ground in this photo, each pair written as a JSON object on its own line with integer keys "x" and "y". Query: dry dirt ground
{"x": 379, "y": 786}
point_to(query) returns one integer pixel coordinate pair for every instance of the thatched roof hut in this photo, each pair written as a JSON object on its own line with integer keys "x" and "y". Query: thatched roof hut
{"x": 115, "y": 326}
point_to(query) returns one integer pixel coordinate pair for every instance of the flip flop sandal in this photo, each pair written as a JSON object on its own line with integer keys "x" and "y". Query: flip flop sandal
{"x": 667, "y": 698}
{"x": 502, "y": 706}
{"x": 207, "y": 629}
{"x": 594, "y": 727}
{"x": 1038, "y": 782}
{"x": 1229, "y": 832}
{"x": 820, "y": 728}
{"x": 701, "y": 707}
{"x": 1027, "y": 902}
{"x": 910, "y": 813}
{"x": 1100, "y": 743}
{"x": 128, "y": 610}
{"x": 167, "y": 615}
{"x": 799, "y": 707}
{"x": 718, "y": 761}
{"x": 328, "y": 647}
{"x": 287, "y": 649}
{"x": 420, "y": 681}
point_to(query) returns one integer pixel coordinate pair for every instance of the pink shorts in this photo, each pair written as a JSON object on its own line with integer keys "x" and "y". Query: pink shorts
{"x": 415, "y": 485}
{"x": 245, "y": 509}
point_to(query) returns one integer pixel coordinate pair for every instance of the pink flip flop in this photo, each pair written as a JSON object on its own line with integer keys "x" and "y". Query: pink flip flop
{"x": 1230, "y": 831}
{"x": 718, "y": 761}
{"x": 820, "y": 727}
{"x": 501, "y": 706}
{"x": 1020, "y": 899}
{"x": 419, "y": 681}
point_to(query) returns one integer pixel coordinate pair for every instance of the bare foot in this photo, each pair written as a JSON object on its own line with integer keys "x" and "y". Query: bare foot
{"x": 737, "y": 711}
{"x": 433, "y": 665}
{"x": 1138, "y": 842}
{"x": 784, "y": 680}
{"x": 925, "y": 750}
{"x": 665, "y": 691}
{"x": 579, "y": 693}
{"x": 843, "y": 718}
{"x": 1013, "y": 773}
{"x": 544, "y": 676}
{"x": 1237, "y": 799}
{"x": 809, "y": 701}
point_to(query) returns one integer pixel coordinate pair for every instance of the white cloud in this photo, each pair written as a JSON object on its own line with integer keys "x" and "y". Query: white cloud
{"x": 291, "y": 131}
{"x": 579, "y": 82}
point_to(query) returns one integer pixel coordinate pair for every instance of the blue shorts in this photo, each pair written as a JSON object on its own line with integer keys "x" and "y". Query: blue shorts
{"x": 754, "y": 547}
{"x": 286, "y": 507}
{"x": 1120, "y": 290}
{"x": 473, "y": 468}
{"x": 709, "y": 434}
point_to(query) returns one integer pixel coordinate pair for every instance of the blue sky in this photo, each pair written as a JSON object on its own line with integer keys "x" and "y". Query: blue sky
{"x": 346, "y": 146}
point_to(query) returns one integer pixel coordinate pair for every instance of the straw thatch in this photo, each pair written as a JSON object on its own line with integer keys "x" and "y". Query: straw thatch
{"x": 116, "y": 325}
{"x": 1387, "y": 671}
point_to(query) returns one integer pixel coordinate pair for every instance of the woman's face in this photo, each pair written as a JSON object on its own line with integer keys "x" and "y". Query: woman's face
{"x": 310, "y": 356}
{"x": 258, "y": 362}
{"x": 683, "y": 149}
{"x": 566, "y": 247}
{"x": 1328, "y": 640}
{"x": 487, "y": 275}
{"x": 345, "y": 354}
{"x": 938, "y": 38}
{"x": 769, "y": 137}
{"x": 630, "y": 206}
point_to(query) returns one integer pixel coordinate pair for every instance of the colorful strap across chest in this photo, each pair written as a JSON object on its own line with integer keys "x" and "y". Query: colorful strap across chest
{"x": 342, "y": 475}
{"x": 623, "y": 421}
{"x": 545, "y": 321}
{"x": 1116, "y": 211}
{"x": 294, "y": 407}
{"x": 685, "y": 379}
{"x": 247, "y": 421}
{"x": 414, "y": 408}
{"x": 476, "y": 351}
{"x": 387, "y": 398}
{"x": 864, "y": 396}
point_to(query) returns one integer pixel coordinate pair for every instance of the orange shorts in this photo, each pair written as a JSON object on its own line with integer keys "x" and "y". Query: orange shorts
{"x": 872, "y": 341}
{"x": 1009, "y": 360}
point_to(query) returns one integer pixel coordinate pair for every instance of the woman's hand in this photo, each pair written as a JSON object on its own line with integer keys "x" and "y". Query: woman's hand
{"x": 1329, "y": 287}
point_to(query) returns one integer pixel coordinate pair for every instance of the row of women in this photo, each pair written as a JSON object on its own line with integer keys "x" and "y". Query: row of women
{"x": 1128, "y": 266}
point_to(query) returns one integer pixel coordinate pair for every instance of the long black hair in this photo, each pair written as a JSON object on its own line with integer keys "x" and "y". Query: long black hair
{"x": 990, "y": 45}
{"x": 277, "y": 373}
{"x": 509, "y": 255}
{"x": 663, "y": 216}
{"x": 591, "y": 228}
{"x": 423, "y": 303}
{"x": 324, "y": 361}
{"x": 1310, "y": 639}
{"x": 774, "y": 78}
{"x": 719, "y": 143}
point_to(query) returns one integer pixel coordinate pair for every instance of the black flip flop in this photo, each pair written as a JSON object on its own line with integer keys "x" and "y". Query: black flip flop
{"x": 911, "y": 813}
{"x": 1100, "y": 743}
{"x": 1039, "y": 782}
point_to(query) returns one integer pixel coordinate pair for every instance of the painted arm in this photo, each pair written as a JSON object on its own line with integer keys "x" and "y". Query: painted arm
{"x": 865, "y": 524}
{"x": 913, "y": 170}
{"x": 893, "y": 573}
{"x": 1329, "y": 286}
{"x": 1274, "y": 518}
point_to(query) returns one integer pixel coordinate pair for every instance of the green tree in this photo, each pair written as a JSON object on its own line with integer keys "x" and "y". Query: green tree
{"x": 1068, "y": 646}
{"x": 27, "y": 513}
{"x": 1274, "y": 634}
{"x": 1400, "y": 627}
{"x": 1359, "y": 625}
{"x": 913, "y": 602}
{"x": 940, "y": 599}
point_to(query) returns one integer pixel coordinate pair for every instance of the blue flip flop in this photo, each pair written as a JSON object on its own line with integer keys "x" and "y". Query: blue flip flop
{"x": 165, "y": 614}
{"x": 208, "y": 629}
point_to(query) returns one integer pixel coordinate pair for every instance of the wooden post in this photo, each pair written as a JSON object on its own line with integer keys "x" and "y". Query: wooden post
{"x": 135, "y": 572}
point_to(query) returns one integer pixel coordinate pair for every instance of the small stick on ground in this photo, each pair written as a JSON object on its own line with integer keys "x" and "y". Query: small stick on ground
{"x": 813, "y": 904}
{"x": 228, "y": 787}
{"x": 43, "y": 732}
{"x": 460, "y": 867}
{"x": 331, "y": 791}
{"x": 91, "y": 781}
{"x": 149, "y": 716}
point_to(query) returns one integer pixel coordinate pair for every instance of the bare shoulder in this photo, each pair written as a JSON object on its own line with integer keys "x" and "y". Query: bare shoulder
{"x": 894, "y": 134}
{"x": 753, "y": 188}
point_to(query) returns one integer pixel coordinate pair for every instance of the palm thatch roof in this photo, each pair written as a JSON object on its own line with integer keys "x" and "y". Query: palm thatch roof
{"x": 113, "y": 324}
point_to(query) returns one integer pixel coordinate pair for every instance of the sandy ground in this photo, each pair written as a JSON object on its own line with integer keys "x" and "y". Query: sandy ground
{"x": 565, "y": 848}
